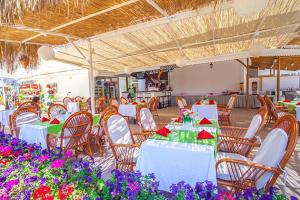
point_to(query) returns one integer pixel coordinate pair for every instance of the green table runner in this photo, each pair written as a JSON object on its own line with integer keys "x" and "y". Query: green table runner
{"x": 56, "y": 128}
{"x": 291, "y": 105}
{"x": 187, "y": 136}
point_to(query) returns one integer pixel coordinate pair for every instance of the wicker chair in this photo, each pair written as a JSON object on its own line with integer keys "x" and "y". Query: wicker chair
{"x": 146, "y": 121}
{"x": 224, "y": 113}
{"x": 185, "y": 103}
{"x": 236, "y": 139}
{"x": 180, "y": 104}
{"x": 67, "y": 100}
{"x": 114, "y": 102}
{"x": 238, "y": 172}
{"x": 121, "y": 141}
{"x": 23, "y": 115}
{"x": 54, "y": 111}
{"x": 261, "y": 100}
{"x": 123, "y": 100}
{"x": 74, "y": 134}
{"x": 101, "y": 104}
{"x": 153, "y": 106}
{"x": 273, "y": 112}
{"x": 30, "y": 104}
{"x": 78, "y": 99}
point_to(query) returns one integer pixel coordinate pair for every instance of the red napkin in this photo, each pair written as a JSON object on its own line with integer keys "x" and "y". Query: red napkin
{"x": 178, "y": 120}
{"x": 198, "y": 102}
{"x": 143, "y": 101}
{"x": 134, "y": 103}
{"x": 205, "y": 121}
{"x": 55, "y": 121}
{"x": 163, "y": 132}
{"x": 45, "y": 119}
{"x": 287, "y": 100}
{"x": 298, "y": 104}
{"x": 204, "y": 135}
{"x": 211, "y": 101}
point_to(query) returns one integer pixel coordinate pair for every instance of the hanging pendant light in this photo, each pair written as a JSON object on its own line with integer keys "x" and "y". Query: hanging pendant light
{"x": 46, "y": 53}
{"x": 246, "y": 8}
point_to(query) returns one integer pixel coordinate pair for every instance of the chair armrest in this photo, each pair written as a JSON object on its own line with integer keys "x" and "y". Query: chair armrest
{"x": 233, "y": 131}
{"x": 242, "y": 146}
{"x": 241, "y": 172}
{"x": 125, "y": 152}
{"x": 221, "y": 106}
{"x": 139, "y": 138}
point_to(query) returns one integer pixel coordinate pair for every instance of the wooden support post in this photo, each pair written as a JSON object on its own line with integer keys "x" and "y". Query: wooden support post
{"x": 91, "y": 78}
{"x": 247, "y": 83}
{"x": 278, "y": 79}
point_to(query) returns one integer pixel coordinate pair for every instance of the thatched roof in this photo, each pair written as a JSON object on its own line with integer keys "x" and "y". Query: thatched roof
{"x": 137, "y": 34}
{"x": 271, "y": 62}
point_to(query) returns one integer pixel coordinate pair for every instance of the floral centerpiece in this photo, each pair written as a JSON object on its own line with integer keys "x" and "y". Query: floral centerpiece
{"x": 185, "y": 115}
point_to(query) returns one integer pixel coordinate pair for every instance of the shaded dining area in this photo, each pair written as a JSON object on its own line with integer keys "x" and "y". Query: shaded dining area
{"x": 149, "y": 99}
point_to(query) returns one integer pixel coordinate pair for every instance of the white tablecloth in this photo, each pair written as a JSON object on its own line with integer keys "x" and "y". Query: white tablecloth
{"x": 34, "y": 134}
{"x": 4, "y": 116}
{"x": 73, "y": 107}
{"x": 172, "y": 162}
{"x": 208, "y": 111}
{"x": 298, "y": 113}
{"x": 128, "y": 110}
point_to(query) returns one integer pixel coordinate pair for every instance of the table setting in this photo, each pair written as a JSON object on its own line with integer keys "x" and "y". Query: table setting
{"x": 129, "y": 109}
{"x": 171, "y": 151}
{"x": 37, "y": 131}
{"x": 206, "y": 108}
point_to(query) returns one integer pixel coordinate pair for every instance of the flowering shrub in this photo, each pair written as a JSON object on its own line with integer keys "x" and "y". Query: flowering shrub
{"x": 27, "y": 172}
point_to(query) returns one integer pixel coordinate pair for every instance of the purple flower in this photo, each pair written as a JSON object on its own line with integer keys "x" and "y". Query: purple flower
{"x": 11, "y": 183}
{"x": 56, "y": 181}
{"x": 57, "y": 163}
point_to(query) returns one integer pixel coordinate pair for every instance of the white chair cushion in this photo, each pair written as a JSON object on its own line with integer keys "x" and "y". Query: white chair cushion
{"x": 271, "y": 152}
{"x": 254, "y": 125}
{"x": 118, "y": 130}
{"x": 26, "y": 118}
{"x": 147, "y": 120}
{"x": 223, "y": 170}
{"x": 180, "y": 104}
{"x": 184, "y": 102}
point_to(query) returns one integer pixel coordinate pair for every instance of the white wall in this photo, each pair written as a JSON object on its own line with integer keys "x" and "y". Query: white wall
{"x": 269, "y": 83}
{"x": 76, "y": 82}
{"x": 200, "y": 79}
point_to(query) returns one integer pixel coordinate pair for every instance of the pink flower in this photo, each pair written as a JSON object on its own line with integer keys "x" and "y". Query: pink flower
{"x": 57, "y": 163}
{"x": 43, "y": 158}
{"x": 227, "y": 195}
{"x": 68, "y": 154}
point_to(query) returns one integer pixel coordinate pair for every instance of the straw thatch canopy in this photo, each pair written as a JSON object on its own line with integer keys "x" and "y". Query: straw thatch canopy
{"x": 271, "y": 62}
{"x": 134, "y": 35}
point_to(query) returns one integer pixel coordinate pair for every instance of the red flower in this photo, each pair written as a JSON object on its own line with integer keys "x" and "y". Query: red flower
{"x": 17, "y": 153}
{"x": 65, "y": 192}
{"x": 4, "y": 162}
{"x": 42, "y": 192}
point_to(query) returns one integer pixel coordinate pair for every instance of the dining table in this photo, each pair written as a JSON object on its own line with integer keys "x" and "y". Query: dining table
{"x": 209, "y": 111}
{"x": 4, "y": 118}
{"x": 36, "y": 132}
{"x": 292, "y": 107}
{"x": 180, "y": 156}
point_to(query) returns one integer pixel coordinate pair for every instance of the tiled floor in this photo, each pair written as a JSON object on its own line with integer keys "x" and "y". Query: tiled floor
{"x": 240, "y": 117}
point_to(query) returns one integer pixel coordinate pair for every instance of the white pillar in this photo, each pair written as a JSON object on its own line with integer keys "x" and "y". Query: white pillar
{"x": 91, "y": 78}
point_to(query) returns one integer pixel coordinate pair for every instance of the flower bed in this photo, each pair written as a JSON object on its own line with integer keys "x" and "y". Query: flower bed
{"x": 27, "y": 172}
